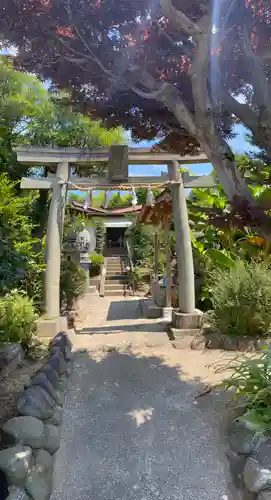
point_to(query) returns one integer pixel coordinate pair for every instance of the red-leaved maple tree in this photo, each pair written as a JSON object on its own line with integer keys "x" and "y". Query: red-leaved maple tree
{"x": 184, "y": 71}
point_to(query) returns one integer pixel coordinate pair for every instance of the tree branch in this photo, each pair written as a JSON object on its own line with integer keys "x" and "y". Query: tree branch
{"x": 249, "y": 118}
{"x": 167, "y": 94}
{"x": 179, "y": 19}
{"x": 91, "y": 56}
{"x": 184, "y": 49}
{"x": 262, "y": 88}
{"x": 83, "y": 58}
{"x": 150, "y": 95}
{"x": 171, "y": 98}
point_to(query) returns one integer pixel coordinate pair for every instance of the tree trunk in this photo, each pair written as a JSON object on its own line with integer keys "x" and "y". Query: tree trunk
{"x": 234, "y": 185}
{"x": 222, "y": 159}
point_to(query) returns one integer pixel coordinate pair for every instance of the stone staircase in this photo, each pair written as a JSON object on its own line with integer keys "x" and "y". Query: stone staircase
{"x": 116, "y": 281}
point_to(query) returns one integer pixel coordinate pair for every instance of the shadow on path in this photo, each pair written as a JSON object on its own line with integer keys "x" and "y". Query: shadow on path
{"x": 136, "y": 327}
{"x": 132, "y": 430}
{"x": 123, "y": 309}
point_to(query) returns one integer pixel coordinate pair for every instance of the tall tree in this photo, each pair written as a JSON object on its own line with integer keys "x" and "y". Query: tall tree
{"x": 168, "y": 55}
{"x": 30, "y": 114}
{"x": 21, "y": 96}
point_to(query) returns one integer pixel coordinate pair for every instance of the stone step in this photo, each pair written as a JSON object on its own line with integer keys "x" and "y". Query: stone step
{"x": 117, "y": 282}
{"x": 114, "y": 277}
{"x": 177, "y": 334}
{"x": 115, "y": 273}
{"x": 186, "y": 339}
{"x": 114, "y": 266}
{"x": 149, "y": 309}
{"x": 113, "y": 293}
{"x": 114, "y": 286}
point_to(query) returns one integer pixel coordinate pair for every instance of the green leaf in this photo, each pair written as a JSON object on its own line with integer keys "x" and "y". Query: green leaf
{"x": 219, "y": 258}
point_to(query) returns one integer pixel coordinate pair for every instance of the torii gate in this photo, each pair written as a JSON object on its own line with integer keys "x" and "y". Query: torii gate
{"x": 118, "y": 159}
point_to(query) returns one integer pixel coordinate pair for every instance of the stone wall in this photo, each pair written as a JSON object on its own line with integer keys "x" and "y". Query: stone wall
{"x": 33, "y": 438}
{"x": 249, "y": 456}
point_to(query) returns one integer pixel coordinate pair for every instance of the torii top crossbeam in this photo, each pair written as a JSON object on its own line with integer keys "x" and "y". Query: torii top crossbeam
{"x": 117, "y": 158}
{"x": 84, "y": 156}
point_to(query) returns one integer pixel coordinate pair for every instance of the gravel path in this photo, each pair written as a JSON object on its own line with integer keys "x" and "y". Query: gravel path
{"x": 132, "y": 429}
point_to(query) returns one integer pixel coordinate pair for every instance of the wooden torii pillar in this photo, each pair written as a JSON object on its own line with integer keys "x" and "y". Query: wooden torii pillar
{"x": 118, "y": 158}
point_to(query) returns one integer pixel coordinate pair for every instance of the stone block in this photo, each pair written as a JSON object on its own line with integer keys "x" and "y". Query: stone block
{"x": 52, "y": 438}
{"x": 51, "y": 374}
{"x": 49, "y": 327}
{"x": 263, "y": 454}
{"x": 38, "y": 484}
{"x": 44, "y": 461}
{"x": 56, "y": 418}
{"x": 187, "y": 321}
{"x": 41, "y": 380}
{"x": 256, "y": 477}
{"x": 69, "y": 368}
{"x": 150, "y": 310}
{"x": 17, "y": 494}
{"x": 236, "y": 465}
{"x": 15, "y": 462}
{"x": 28, "y": 431}
{"x": 63, "y": 382}
{"x": 58, "y": 363}
{"x": 61, "y": 340}
{"x": 242, "y": 437}
{"x": 36, "y": 402}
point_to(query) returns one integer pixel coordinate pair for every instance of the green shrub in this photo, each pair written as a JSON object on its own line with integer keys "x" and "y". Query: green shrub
{"x": 72, "y": 282}
{"x": 250, "y": 382}
{"x": 141, "y": 243}
{"x": 17, "y": 319}
{"x": 96, "y": 259}
{"x": 95, "y": 266}
{"x": 21, "y": 258}
{"x": 141, "y": 277}
{"x": 100, "y": 236}
{"x": 241, "y": 299}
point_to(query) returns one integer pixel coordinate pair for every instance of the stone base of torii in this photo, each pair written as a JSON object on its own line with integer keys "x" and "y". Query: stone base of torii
{"x": 118, "y": 158}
